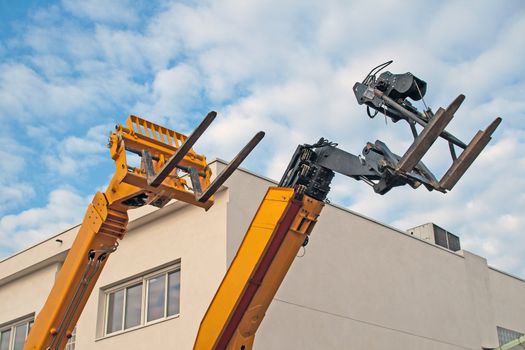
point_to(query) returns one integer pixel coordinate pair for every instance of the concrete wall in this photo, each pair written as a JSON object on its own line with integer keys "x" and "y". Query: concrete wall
{"x": 508, "y": 298}
{"x": 23, "y": 296}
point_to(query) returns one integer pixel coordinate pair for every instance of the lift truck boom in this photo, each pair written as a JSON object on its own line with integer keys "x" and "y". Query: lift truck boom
{"x": 170, "y": 169}
{"x": 288, "y": 213}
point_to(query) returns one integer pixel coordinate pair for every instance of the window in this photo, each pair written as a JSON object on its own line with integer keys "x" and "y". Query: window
{"x": 70, "y": 345}
{"x": 13, "y": 336}
{"x": 146, "y": 299}
{"x": 507, "y": 335}
{"x": 446, "y": 239}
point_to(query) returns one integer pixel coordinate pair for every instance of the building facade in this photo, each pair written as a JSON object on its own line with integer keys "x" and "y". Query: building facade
{"x": 358, "y": 284}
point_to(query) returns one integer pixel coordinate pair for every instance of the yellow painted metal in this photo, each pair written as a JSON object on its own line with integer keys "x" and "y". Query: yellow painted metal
{"x": 99, "y": 231}
{"x": 162, "y": 143}
{"x": 253, "y": 245}
{"x": 106, "y": 221}
{"x": 302, "y": 225}
{"x": 248, "y": 258}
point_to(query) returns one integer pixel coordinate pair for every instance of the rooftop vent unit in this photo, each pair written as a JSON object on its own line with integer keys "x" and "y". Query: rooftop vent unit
{"x": 434, "y": 234}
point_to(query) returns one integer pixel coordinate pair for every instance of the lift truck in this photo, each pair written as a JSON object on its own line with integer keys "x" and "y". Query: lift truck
{"x": 170, "y": 169}
{"x": 288, "y": 213}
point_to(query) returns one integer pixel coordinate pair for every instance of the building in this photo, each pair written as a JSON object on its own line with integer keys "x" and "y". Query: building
{"x": 359, "y": 284}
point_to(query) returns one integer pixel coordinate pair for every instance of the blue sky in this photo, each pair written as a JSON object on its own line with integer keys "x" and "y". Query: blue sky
{"x": 71, "y": 70}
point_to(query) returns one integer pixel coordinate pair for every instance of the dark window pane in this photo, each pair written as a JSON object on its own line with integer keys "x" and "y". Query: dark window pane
{"x": 173, "y": 293}
{"x": 156, "y": 297}
{"x": 440, "y": 236}
{"x": 507, "y": 335}
{"x": 133, "y": 306}
{"x": 115, "y": 308}
{"x": 5, "y": 336}
{"x": 20, "y": 336}
{"x": 453, "y": 242}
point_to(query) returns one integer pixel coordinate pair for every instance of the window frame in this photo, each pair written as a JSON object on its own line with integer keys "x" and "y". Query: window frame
{"x": 142, "y": 280}
{"x": 146, "y": 304}
{"x": 12, "y": 325}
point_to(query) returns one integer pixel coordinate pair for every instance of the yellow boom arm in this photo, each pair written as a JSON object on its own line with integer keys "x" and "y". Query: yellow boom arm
{"x": 168, "y": 160}
{"x": 279, "y": 228}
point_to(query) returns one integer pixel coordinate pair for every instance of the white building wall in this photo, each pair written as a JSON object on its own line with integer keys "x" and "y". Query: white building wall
{"x": 189, "y": 234}
{"x": 22, "y": 296}
{"x": 508, "y": 300}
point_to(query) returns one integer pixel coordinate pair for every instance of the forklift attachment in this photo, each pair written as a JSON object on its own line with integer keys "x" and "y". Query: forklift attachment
{"x": 389, "y": 94}
{"x": 155, "y": 179}
{"x": 170, "y": 168}
{"x": 168, "y": 163}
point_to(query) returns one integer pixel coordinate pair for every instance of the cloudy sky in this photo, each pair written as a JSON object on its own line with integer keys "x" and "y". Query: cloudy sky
{"x": 71, "y": 70}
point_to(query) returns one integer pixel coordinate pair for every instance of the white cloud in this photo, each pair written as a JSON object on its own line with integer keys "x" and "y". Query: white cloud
{"x": 64, "y": 208}
{"x": 121, "y": 48}
{"x": 13, "y": 191}
{"x": 74, "y": 155}
{"x": 11, "y": 164}
{"x": 14, "y": 194}
{"x": 26, "y": 94}
{"x": 174, "y": 91}
{"x": 51, "y": 66}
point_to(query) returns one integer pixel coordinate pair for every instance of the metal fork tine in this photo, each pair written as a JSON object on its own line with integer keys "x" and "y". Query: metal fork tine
{"x": 156, "y": 180}
{"x": 230, "y": 168}
{"x": 429, "y": 135}
{"x": 468, "y": 156}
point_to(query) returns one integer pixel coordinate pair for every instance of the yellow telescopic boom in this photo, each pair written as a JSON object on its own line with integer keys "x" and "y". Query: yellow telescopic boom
{"x": 170, "y": 169}
{"x": 280, "y": 227}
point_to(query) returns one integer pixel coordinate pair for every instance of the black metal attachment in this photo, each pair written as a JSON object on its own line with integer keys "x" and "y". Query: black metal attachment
{"x": 306, "y": 174}
{"x": 389, "y": 94}
{"x": 312, "y": 169}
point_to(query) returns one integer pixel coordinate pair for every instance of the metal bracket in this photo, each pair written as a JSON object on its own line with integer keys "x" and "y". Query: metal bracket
{"x": 168, "y": 167}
